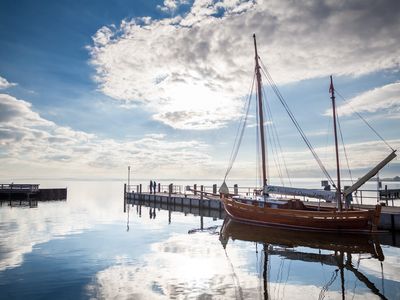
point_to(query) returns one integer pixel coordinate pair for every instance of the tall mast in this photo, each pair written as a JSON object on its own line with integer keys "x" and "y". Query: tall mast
{"x": 339, "y": 191}
{"x": 260, "y": 114}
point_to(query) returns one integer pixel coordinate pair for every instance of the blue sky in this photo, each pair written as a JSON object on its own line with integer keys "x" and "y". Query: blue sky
{"x": 89, "y": 87}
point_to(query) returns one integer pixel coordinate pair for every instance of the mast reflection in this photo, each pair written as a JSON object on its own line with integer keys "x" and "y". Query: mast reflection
{"x": 333, "y": 249}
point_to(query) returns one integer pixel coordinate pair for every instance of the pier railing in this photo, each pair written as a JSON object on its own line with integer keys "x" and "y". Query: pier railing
{"x": 19, "y": 187}
{"x": 366, "y": 196}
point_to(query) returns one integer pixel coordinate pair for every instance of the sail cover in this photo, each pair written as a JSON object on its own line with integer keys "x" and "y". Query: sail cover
{"x": 320, "y": 194}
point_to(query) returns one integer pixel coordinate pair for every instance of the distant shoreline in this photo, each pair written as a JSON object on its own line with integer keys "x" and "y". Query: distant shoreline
{"x": 396, "y": 178}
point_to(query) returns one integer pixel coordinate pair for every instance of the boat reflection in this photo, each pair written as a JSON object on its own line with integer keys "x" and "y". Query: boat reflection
{"x": 333, "y": 250}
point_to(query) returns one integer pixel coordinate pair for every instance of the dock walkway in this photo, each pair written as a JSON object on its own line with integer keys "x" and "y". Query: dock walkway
{"x": 30, "y": 193}
{"x": 390, "y": 216}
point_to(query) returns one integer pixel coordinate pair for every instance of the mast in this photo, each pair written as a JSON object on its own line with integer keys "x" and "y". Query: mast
{"x": 339, "y": 191}
{"x": 260, "y": 115}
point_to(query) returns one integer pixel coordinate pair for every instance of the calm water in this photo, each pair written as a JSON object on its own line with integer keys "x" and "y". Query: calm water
{"x": 87, "y": 248}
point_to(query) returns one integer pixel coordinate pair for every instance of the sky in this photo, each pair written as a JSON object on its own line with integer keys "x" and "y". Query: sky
{"x": 88, "y": 88}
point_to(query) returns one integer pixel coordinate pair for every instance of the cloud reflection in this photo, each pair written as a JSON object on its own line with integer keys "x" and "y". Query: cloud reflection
{"x": 193, "y": 266}
{"x": 88, "y": 204}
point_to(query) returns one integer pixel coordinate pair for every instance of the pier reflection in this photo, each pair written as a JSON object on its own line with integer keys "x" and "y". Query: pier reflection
{"x": 273, "y": 263}
{"x": 332, "y": 250}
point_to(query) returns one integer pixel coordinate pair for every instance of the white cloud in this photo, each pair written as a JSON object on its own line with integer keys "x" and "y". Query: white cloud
{"x": 171, "y": 5}
{"x": 30, "y": 144}
{"x": 384, "y": 99}
{"x": 191, "y": 70}
{"x": 4, "y": 84}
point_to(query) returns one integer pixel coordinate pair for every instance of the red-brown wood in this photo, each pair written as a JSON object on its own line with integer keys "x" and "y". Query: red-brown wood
{"x": 299, "y": 216}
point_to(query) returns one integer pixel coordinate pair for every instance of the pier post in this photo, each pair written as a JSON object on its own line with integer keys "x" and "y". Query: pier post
{"x": 201, "y": 189}
{"x": 214, "y": 189}
{"x": 195, "y": 188}
{"x": 140, "y": 188}
{"x": 170, "y": 188}
{"x": 159, "y": 187}
{"x": 125, "y": 198}
{"x": 235, "y": 189}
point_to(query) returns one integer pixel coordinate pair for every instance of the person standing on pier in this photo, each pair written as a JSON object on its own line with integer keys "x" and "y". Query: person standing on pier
{"x": 151, "y": 186}
{"x": 154, "y": 186}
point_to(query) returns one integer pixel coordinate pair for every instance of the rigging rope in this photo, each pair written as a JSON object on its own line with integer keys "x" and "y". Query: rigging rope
{"x": 258, "y": 156}
{"x": 264, "y": 104}
{"x": 296, "y": 124}
{"x": 276, "y": 141}
{"x": 274, "y": 147}
{"x": 365, "y": 121}
{"x": 345, "y": 153}
{"x": 240, "y": 131}
{"x": 344, "y": 148}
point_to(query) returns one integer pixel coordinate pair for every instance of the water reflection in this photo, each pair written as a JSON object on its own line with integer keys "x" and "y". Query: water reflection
{"x": 333, "y": 250}
{"x": 88, "y": 248}
{"x": 268, "y": 263}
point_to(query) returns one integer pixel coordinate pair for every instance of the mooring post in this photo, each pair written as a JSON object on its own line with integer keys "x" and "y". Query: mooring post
{"x": 386, "y": 195}
{"x": 125, "y": 198}
{"x": 159, "y": 187}
{"x": 214, "y": 189}
{"x": 201, "y": 189}
{"x": 170, "y": 188}
{"x": 235, "y": 189}
{"x": 194, "y": 189}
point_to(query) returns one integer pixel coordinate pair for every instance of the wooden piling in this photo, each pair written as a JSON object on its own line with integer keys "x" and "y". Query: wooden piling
{"x": 125, "y": 195}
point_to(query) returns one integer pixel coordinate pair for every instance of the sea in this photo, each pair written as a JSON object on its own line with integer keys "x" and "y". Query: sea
{"x": 87, "y": 247}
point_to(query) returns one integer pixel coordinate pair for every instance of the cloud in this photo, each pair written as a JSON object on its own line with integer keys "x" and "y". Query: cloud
{"x": 4, "y": 84}
{"x": 384, "y": 99}
{"x": 171, "y": 5}
{"x": 195, "y": 273}
{"x": 24, "y": 229}
{"x": 191, "y": 70}
{"x": 31, "y": 144}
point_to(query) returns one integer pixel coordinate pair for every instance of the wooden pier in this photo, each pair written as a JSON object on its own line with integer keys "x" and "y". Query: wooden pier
{"x": 194, "y": 200}
{"x": 29, "y": 193}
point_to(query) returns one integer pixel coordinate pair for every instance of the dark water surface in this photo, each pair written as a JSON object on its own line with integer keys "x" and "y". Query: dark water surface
{"x": 86, "y": 248}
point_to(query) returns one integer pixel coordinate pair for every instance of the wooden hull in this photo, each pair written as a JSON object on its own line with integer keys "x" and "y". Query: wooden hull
{"x": 303, "y": 218}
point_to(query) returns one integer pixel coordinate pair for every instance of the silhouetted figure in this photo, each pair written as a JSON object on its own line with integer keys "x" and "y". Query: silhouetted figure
{"x": 151, "y": 186}
{"x": 154, "y": 186}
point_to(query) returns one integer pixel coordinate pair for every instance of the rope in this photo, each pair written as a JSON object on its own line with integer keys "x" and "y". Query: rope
{"x": 296, "y": 124}
{"x": 365, "y": 121}
{"x": 344, "y": 149}
{"x": 274, "y": 150}
{"x": 258, "y": 156}
{"x": 328, "y": 284}
{"x": 240, "y": 131}
{"x": 266, "y": 130}
{"x": 276, "y": 141}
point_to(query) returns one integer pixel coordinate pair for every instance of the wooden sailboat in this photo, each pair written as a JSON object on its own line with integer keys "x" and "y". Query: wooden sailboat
{"x": 293, "y": 213}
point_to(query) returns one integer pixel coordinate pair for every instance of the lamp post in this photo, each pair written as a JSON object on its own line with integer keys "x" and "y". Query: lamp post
{"x": 129, "y": 178}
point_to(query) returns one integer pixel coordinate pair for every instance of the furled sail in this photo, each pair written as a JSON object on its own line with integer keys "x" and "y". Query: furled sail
{"x": 320, "y": 194}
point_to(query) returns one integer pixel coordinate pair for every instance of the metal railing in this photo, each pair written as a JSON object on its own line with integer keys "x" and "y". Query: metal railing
{"x": 359, "y": 197}
{"x": 19, "y": 187}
